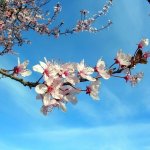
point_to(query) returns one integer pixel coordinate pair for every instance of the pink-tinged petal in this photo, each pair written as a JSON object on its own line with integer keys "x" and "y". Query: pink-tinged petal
{"x": 90, "y": 78}
{"x": 46, "y": 99}
{"x": 48, "y": 81}
{"x": 94, "y": 96}
{"x": 56, "y": 94}
{"x": 54, "y": 102}
{"x": 100, "y": 65}
{"x": 41, "y": 88}
{"x": 72, "y": 80}
{"x": 38, "y": 68}
{"x": 89, "y": 70}
{"x": 72, "y": 99}
{"x": 93, "y": 90}
{"x": 26, "y": 73}
{"x": 62, "y": 106}
{"x": 25, "y": 63}
{"x": 105, "y": 74}
{"x": 80, "y": 66}
{"x": 123, "y": 59}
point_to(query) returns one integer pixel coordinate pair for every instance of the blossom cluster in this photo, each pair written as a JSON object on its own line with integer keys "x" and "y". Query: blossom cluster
{"x": 85, "y": 24}
{"x": 59, "y": 82}
{"x": 17, "y": 16}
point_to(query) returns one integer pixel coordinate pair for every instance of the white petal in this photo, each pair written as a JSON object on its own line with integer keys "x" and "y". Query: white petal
{"x": 48, "y": 80}
{"x": 94, "y": 96}
{"x": 46, "y": 99}
{"x": 25, "y": 63}
{"x": 41, "y": 88}
{"x": 45, "y": 59}
{"x": 43, "y": 65}
{"x": 62, "y": 106}
{"x": 18, "y": 61}
{"x": 26, "y": 73}
{"x": 56, "y": 94}
{"x": 101, "y": 64}
{"x": 80, "y": 66}
{"x": 73, "y": 100}
{"x": 144, "y": 42}
{"x": 38, "y": 68}
{"x": 105, "y": 74}
{"x": 72, "y": 80}
{"x": 90, "y": 78}
{"x": 89, "y": 70}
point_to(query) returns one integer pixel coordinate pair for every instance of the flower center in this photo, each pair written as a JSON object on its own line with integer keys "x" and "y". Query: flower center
{"x": 117, "y": 61}
{"x": 88, "y": 90}
{"x": 49, "y": 89}
{"x": 17, "y": 70}
{"x": 66, "y": 73}
{"x": 95, "y": 69}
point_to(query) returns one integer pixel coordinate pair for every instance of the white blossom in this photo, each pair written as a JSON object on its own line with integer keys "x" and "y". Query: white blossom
{"x": 21, "y": 69}
{"x": 136, "y": 78}
{"x": 93, "y": 89}
{"x": 51, "y": 88}
{"x": 85, "y": 72}
{"x": 69, "y": 93}
{"x": 48, "y": 69}
{"x": 101, "y": 69}
{"x": 123, "y": 59}
{"x": 67, "y": 72}
{"x": 143, "y": 43}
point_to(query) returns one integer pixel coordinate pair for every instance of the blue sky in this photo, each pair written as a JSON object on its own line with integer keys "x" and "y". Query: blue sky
{"x": 119, "y": 121}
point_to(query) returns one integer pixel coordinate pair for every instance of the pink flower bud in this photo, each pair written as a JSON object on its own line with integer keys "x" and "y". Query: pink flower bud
{"x": 143, "y": 43}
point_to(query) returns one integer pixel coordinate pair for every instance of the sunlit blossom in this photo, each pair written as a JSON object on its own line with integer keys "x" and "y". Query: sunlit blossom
{"x": 122, "y": 59}
{"x": 21, "y": 69}
{"x": 143, "y": 43}
{"x": 101, "y": 69}
{"x": 85, "y": 72}
{"x": 93, "y": 89}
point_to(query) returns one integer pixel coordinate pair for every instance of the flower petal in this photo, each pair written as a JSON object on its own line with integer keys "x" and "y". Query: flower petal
{"x": 38, "y": 68}
{"x": 41, "y": 88}
{"x": 26, "y": 73}
{"x": 62, "y": 106}
{"x": 43, "y": 65}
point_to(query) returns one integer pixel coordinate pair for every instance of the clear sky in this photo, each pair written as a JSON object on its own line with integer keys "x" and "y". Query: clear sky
{"x": 119, "y": 121}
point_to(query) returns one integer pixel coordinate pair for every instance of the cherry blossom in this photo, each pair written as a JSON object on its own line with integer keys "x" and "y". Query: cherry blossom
{"x": 122, "y": 59}
{"x": 49, "y": 105}
{"x": 67, "y": 72}
{"x": 93, "y": 89}
{"x": 134, "y": 79}
{"x": 18, "y": 16}
{"x": 21, "y": 69}
{"x": 84, "y": 25}
{"x": 85, "y": 72}
{"x": 59, "y": 83}
{"x": 51, "y": 88}
{"x": 101, "y": 69}
{"x": 47, "y": 68}
{"x": 143, "y": 43}
{"x": 69, "y": 93}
